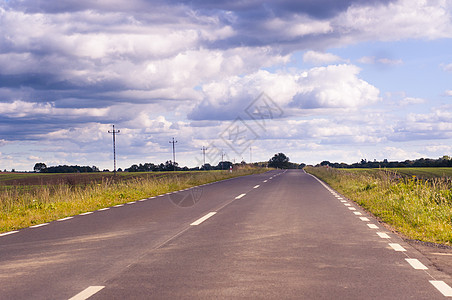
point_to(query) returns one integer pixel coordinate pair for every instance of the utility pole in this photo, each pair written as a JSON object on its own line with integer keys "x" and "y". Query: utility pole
{"x": 251, "y": 160}
{"x": 174, "y": 153}
{"x": 114, "y": 132}
{"x": 204, "y": 154}
{"x": 222, "y": 159}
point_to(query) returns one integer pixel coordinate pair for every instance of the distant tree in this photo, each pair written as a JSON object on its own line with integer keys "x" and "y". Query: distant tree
{"x": 39, "y": 167}
{"x": 224, "y": 165}
{"x": 206, "y": 167}
{"x": 325, "y": 163}
{"x": 279, "y": 160}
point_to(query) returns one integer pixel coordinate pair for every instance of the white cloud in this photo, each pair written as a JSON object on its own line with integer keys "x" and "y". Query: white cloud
{"x": 335, "y": 86}
{"x": 448, "y": 93}
{"x": 400, "y": 154}
{"x": 320, "y": 58}
{"x": 396, "y": 20}
{"x": 370, "y": 60}
{"x": 447, "y": 68}
{"x": 411, "y": 100}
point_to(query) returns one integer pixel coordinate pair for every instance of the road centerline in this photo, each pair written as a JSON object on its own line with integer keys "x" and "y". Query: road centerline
{"x": 86, "y": 293}
{"x": 202, "y": 219}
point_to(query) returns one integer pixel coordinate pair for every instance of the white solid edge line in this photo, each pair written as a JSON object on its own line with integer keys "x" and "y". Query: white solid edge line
{"x": 397, "y": 247}
{"x": 8, "y": 233}
{"x": 102, "y": 209}
{"x": 119, "y": 205}
{"x": 240, "y": 196}
{"x": 86, "y": 293}
{"x": 443, "y": 287}
{"x": 200, "y": 220}
{"x": 383, "y": 235}
{"x": 416, "y": 264}
{"x": 64, "y": 219}
{"x": 39, "y": 225}
{"x": 256, "y": 186}
{"x": 87, "y": 213}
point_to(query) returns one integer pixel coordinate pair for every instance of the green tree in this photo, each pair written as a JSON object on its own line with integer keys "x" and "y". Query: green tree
{"x": 39, "y": 167}
{"x": 279, "y": 160}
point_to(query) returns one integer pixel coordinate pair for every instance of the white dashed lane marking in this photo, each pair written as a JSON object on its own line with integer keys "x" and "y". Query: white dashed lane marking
{"x": 364, "y": 219}
{"x": 383, "y": 235}
{"x": 240, "y": 196}
{"x": 397, "y": 247}
{"x": 65, "y": 219}
{"x": 102, "y": 209}
{"x": 119, "y": 205}
{"x": 256, "y": 186}
{"x": 416, "y": 264}
{"x": 200, "y": 220}
{"x": 443, "y": 287}
{"x": 86, "y": 293}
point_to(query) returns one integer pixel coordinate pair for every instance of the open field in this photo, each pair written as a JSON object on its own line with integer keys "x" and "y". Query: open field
{"x": 31, "y": 199}
{"x": 418, "y": 208}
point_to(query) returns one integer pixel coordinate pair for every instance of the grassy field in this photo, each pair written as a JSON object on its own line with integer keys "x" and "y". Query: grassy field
{"x": 422, "y": 173}
{"x": 417, "y": 202}
{"x": 31, "y": 199}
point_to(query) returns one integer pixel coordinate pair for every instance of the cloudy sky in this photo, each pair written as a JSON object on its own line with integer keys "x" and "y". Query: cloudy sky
{"x": 337, "y": 80}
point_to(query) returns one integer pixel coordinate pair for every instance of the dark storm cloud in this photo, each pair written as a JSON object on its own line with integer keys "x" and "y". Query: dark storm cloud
{"x": 314, "y": 8}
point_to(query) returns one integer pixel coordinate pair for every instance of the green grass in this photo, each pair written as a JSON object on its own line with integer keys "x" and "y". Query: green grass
{"x": 22, "y": 207}
{"x": 418, "y": 208}
{"x": 423, "y": 173}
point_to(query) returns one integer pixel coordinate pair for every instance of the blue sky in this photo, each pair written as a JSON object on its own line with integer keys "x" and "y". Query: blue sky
{"x": 337, "y": 80}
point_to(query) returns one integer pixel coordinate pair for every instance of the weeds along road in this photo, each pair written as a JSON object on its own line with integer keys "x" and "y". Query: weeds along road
{"x": 276, "y": 235}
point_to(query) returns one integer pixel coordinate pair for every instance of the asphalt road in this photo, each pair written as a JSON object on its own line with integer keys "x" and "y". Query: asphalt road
{"x": 278, "y": 235}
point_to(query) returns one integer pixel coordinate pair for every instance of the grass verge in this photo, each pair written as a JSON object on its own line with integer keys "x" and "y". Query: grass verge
{"x": 419, "y": 209}
{"x": 21, "y": 207}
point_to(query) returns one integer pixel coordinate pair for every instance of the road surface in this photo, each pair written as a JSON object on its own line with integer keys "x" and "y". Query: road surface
{"x": 277, "y": 235}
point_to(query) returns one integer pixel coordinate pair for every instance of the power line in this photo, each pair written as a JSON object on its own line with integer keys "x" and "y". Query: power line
{"x": 114, "y": 132}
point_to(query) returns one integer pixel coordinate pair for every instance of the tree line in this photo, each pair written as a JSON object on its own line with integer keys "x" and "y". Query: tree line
{"x": 441, "y": 162}
{"x": 279, "y": 160}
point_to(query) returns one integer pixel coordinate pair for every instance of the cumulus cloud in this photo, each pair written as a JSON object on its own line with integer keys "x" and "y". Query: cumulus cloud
{"x": 335, "y": 86}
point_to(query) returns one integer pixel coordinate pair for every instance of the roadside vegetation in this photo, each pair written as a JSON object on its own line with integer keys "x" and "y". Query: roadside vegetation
{"x": 25, "y": 204}
{"x": 417, "y": 202}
